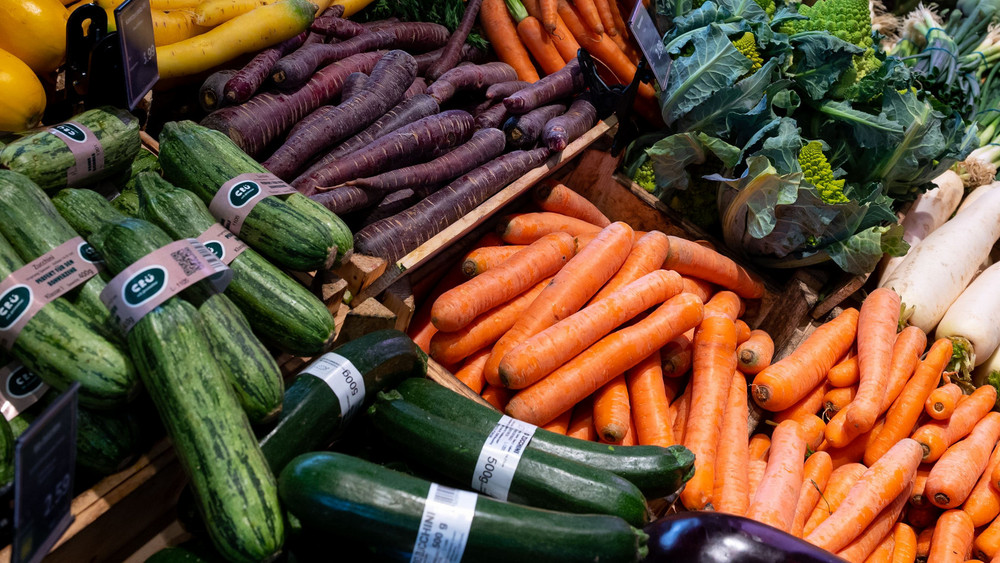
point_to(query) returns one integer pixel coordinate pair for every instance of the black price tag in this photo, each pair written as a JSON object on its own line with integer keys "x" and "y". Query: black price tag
{"x": 44, "y": 460}
{"x": 135, "y": 33}
{"x": 651, "y": 44}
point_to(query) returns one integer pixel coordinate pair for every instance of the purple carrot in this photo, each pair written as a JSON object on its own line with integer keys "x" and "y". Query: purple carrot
{"x": 484, "y": 145}
{"x": 419, "y": 86}
{"x": 384, "y": 88}
{"x": 379, "y": 24}
{"x": 469, "y": 54}
{"x": 470, "y": 77}
{"x": 393, "y": 237}
{"x": 294, "y": 69}
{"x": 248, "y": 79}
{"x": 562, "y": 83}
{"x": 564, "y": 129}
{"x": 407, "y": 111}
{"x": 399, "y": 148}
{"x": 452, "y": 51}
{"x": 504, "y": 89}
{"x": 389, "y": 206}
{"x": 337, "y": 27}
{"x": 264, "y": 118}
{"x": 210, "y": 95}
{"x": 523, "y": 131}
{"x": 353, "y": 85}
{"x": 492, "y": 116}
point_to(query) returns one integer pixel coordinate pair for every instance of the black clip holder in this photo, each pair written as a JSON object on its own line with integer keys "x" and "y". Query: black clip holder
{"x": 94, "y": 73}
{"x": 615, "y": 99}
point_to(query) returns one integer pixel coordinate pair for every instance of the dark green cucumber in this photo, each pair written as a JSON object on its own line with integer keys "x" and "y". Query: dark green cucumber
{"x": 280, "y": 310}
{"x": 234, "y": 489}
{"x": 45, "y": 158}
{"x": 61, "y": 346}
{"x": 86, "y": 211}
{"x": 311, "y": 417}
{"x": 346, "y": 496}
{"x": 247, "y": 364}
{"x": 6, "y": 453}
{"x": 285, "y": 229}
{"x": 657, "y": 471}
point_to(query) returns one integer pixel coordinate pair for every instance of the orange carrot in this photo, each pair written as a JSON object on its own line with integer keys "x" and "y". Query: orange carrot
{"x": 955, "y": 474}
{"x": 860, "y": 547}
{"x": 678, "y": 412}
{"x": 922, "y": 516}
{"x": 564, "y": 40}
{"x": 906, "y": 353}
{"x": 845, "y": 373}
{"x": 499, "y": 29}
{"x": 482, "y": 259}
{"x": 526, "y": 228}
{"x": 650, "y": 407}
{"x": 540, "y": 45}
{"x": 854, "y": 451}
{"x": 629, "y": 438}
{"x": 905, "y": 544}
{"x": 575, "y": 283}
{"x": 600, "y": 363}
{"x": 780, "y": 385}
{"x": 840, "y": 482}
{"x": 924, "y": 542}
{"x": 497, "y": 396}
{"x": 484, "y": 330}
{"x": 557, "y": 198}
{"x": 549, "y": 14}
{"x": 582, "y": 424}
{"x": 588, "y": 12}
{"x": 987, "y": 543}
{"x": 607, "y": 19}
{"x": 724, "y": 304}
{"x": 730, "y": 489}
{"x": 815, "y": 475}
{"x": 938, "y": 435}
{"x": 612, "y": 410}
{"x": 703, "y": 289}
{"x": 755, "y": 472}
{"x": 559, "y": 424}
{"x": 460, "y": 305}
{"x": 812, "y": 428}
{"x": 905, "y": 411}
{"x": 953, "y": 535}
{"x": 647, "y": 254}
{"x": 532, "y": 358}
{"x": 941, "y": 402}
{"x": 471, "y": 371}
{"x": 838, "y": 433}
{"x": 421, "y": 330}
{"x": 714, "y": 364}
{"x": 690, "y": 258}
{"x": 677, "y": 355}
{"x": 777, "y": 495}
{"x": 837, "y": 398}
{"x": 983, "y": 504}
{"x": 742, "y": 332}
{"x": 760, "y": 446}
{"x": 810, "y": 404}
{"x": 878, "y": 487}
{"x": 877, "y": 323}
{"x": 917, "y": 497}
{"x": 883, "y": 553}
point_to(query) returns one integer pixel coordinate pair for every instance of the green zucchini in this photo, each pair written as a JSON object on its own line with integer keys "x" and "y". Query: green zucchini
{"x": 311, "y": 417}
{"x": 289, "y": 230}
{"x": 235, "y": 491}
{"x": 543, "y": 480}
{"x": 18, "y": 425}
{"x": 349, "y": 497}
{"x": 656, "y": 471}
{"x": 127, "y": 202}
{"x": 61, "y": 346}
{"x": 280, "y": 310}
{"x": 6, "y": 453}
{"x": 145, "y": 161}
{"x": 86, "y": 211}
{"x": 45, "y": 158}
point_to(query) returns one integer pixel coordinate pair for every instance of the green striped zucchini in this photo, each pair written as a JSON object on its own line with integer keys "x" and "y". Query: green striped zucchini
{"x": 6, "y": 453}
{"x": 145, "y": 161}
{"x": 234, "y": 488}
{"x": 348, "y": 497}
{"x": 85, "y": 210}
{"x": 127, "y": 202}
{"x": 286, "y": 229}
{"x": 18, "y": 425}
{"x": 45, "y": 158}
{"x": 280, "y": 310}
{"x": 61, "y": 346}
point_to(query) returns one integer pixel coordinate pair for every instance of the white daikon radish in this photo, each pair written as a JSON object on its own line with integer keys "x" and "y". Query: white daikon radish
{"x": 972, "y": 322}
{"x": 976, "y": 194}
{"x": 982, "y": 374}
{"x": 929, "y": 211}
{"x": 937, "y": 270}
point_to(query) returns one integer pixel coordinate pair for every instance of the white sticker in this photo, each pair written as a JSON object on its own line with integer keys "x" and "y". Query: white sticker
{"x": 343, "y": 378}
{"x": 500, "y": 455}
{"x": 444, "y": 525}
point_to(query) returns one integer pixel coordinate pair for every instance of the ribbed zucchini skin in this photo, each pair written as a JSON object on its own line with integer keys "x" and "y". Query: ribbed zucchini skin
{"x": 145, "y": 161}
{"x": 86, "y": 211}
{"x": 127, "y": 202}
{"x": 44, "y": 158}
{"x": 6, "y": 453}
{"x": 346, "y": 496}
{"x": 201, "y": 160}
{"x": 279, "y": 309}
{"x": 61, "y": 346}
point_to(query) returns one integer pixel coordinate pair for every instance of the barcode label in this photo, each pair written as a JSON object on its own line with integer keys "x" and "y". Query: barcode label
{"x": 344, "y": 380}
{"x": 500, "y": 456}
{"x": 444, "y": 525}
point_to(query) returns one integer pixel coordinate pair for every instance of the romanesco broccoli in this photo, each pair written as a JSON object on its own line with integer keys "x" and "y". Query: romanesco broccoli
{"x": 767, "y": 5}
{"x": 849, "y": 20}
{"x": 816, "y": 170}
{"x": 747, "y": 46}
{"x": 645, "y": 177}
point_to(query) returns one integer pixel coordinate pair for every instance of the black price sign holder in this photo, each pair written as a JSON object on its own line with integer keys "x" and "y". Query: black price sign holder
{"x": 44, "y": 463}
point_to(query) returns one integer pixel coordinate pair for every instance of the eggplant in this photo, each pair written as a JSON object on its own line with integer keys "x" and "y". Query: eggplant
{"x": 713, "y": 537}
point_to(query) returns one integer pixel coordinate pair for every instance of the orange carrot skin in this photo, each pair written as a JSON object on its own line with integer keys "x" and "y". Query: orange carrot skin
{"x": 884, "y": 481}
{"x": 497, "y": 396}
{"x": 877, "y": 323}
{"x": 883, "y": 553}
{"x": 499, "y": 29}
{"x": 942, "y": 401}
{"x": 703, "y": 289}
{"x": 724, "y": 304}
{"x": 588, "y": 12}
{"x": 612, "y": 411}
{"x": 917, "y": 498}
{"x": 481, "y": 259}
{"x": 421, "y": 330}
{"x": 906, "y": 353}
{"x": 987, "y": 543}
{"x": 650, "y": 406}
{"x": 904, "y": 544}
{"x": 629, "y": 438}
{"x": 812, "y": 428}
{"x": 714, "y": 364}
{"x": 471, "y": 372}
{"x": 690, "y": 258}
{"x": 558, "y": 198}
{"x": 924, "y": 542}
{"x": 607, "y": 19}
{"x": 983, "y": 504}
{"x": 854, "y": 451}
{"x": 760, "y": 446}
{"x": 756, "y": 353}
{"x": 564, "y": 40}
{"x": 742, "y": 332}
{"x": 678, "y": 413}
{"x": 526, "y": 228}
{"x": 731, "y": 493}
{"x": 922, "y": 516}
{"x": 936, "y": 436}
{"x": 955, "y": 474}
{"x": 549, "y": 14}
{"x": 677, "y": 355}
{"x": 815, "y": 475}
{"x": 581, "y": 425}
{"x": 953, "y": 536}
{"x": 845, "y": 373}
{"x": 609, "y": 357}
{"x": 648, "y": 253}
{"x": 777, "y": 495}
{"x": 780, "y": 385}
{"x": 540, "y": 45}
{"x": 865, "y": 543}
{"x": 559, "y": 424}
{"x": 837, "y": 398}
{"x": 755, "y": 473}
{"x": 810, "y": 404}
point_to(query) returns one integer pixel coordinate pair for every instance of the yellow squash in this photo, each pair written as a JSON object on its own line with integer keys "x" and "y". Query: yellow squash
{"x": 35, "y": 32}
{"x": 22, "y": 99}
{"x": 168, "y": 5}
{"x": 172, "y": 27}
{"x": 351, "y": 7}
{"x": 216, "y": 12}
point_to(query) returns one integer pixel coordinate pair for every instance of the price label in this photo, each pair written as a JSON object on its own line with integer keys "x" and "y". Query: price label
{"x": 344, "y": 380}
{"x": 651, "y": 43}
{"x": 444, "y": 525}
{"x": 135, "y": 34}
{"x": 44, "y": 461}
{"x": 500, "y": 456}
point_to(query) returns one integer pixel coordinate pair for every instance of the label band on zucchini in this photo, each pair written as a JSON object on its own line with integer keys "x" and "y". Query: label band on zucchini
{"x": 222, "y": 242}
{"x": 19, "y": 389}
{"x": 345, "y": 380}
{"x": 86, "y": 148}
{"x": 444, "y": 525}
{"x": 500, "y": 455}
{"x": 236, "y": 198}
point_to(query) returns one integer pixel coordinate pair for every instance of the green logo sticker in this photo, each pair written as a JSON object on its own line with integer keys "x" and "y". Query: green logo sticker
{"x": 88, "y": 253}
{"x": 240, "y": 194}
{"x": 71, "y": 131}
{"x": 217, "y": 249}
{"x": 22, "y": 383}
{"x": 13, "y": 303}
{"x": 144, "y": 285}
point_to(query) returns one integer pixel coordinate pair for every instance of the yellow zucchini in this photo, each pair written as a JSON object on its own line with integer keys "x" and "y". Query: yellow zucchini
{"x": 351, "y": 7}
{"x": 175, "y": 26}
{"x": 215, "y": 12}
{"x": 35, "y": 32}
{"x": 248, "y": 33}
{"x": 167, "y": 5}
{"x": 22, "y": 98}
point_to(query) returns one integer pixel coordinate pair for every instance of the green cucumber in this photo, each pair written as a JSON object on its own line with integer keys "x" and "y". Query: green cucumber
{"x": 45, "y": 158}
{"x": 657, "y": 471}
{"x": 285, "y": 229}
{"x": 280, "y": 310}
{"x": 542, "y": 480}
{"x": 349, "y": 497}
{"x": 6, "y": 453}
{"x": 235, "y": 491}
{"x": 311, "y": 417}
{"x": 86, "y": 211}
{"x": 61, "y": 346}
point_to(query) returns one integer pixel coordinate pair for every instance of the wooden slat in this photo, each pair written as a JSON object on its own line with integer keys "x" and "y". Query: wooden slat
{"x": 440, "y": 374}
{"x": 360, "y": 271}
{"x": 368, "y": 316}
{"x": 399, "y": 299}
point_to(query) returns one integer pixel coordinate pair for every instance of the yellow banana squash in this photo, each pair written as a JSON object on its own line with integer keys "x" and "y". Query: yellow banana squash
{"x": 22, "y": 99}
{"x": 35, "y": 32}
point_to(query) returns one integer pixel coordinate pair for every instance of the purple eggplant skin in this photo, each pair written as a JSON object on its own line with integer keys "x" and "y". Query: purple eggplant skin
{"x": 714, "y": 537}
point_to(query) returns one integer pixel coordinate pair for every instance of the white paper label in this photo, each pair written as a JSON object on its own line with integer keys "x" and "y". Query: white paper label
{"x": 444, "y": 525}
{"x": 500, "y": 455}
{"x": 343, "y": 378}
